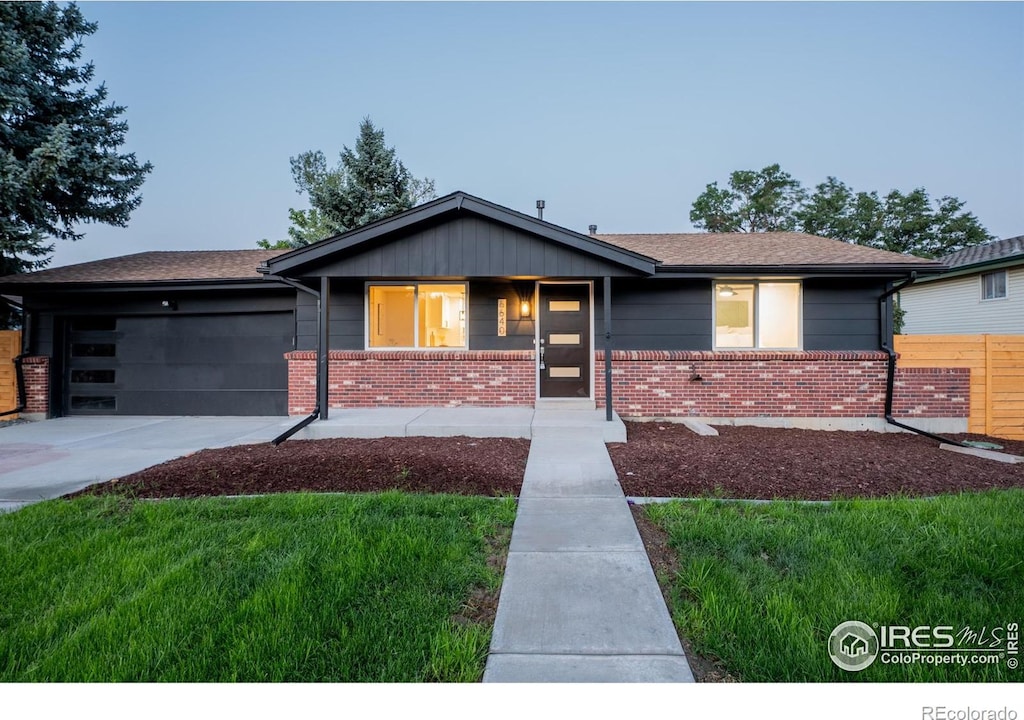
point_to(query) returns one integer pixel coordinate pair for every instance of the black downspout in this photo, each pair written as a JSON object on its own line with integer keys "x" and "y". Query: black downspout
{"x": 316, "y": 410}
{"x": 19, "y": 372}
{"x": 885, "y": 337}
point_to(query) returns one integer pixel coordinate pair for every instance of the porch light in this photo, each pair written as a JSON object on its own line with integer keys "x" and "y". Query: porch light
{"x": 726, "y": 291}
{"x": 524, "y": 309}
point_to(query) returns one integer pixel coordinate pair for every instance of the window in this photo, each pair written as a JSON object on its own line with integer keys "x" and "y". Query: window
{"x": 993, "y": 285}
{"x": 757, "y": 315}
{"x": 421, "y": 315}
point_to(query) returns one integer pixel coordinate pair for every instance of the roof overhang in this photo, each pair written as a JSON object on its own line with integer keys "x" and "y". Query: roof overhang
{"x": 37, "y": 288}
{"x": 975, "y": 268}
{"x": 302, "y": 260}
{"x": 889, "y": 271}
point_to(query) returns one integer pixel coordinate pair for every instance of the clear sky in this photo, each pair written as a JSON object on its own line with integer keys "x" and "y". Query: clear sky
{"x": 616, "y": 114}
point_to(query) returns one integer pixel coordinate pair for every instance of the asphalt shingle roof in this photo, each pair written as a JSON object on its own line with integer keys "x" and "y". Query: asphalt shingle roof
{"x": 986, "y": 252}
{"x": 770, "y": 248}
{"x": 673, "y": 249}
{"x": 156, "y": 266}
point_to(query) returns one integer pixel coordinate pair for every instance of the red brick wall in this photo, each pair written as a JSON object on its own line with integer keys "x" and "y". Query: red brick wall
{"x": 645, "y": 383}
{"x": 37, "y": 384}
{"x": 396, "y": 379}
{"x": 776, "y": 384}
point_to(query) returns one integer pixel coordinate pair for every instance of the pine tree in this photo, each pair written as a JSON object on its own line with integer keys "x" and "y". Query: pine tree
{"x": 59, "y": 138}
{"x": 368, "y": 184}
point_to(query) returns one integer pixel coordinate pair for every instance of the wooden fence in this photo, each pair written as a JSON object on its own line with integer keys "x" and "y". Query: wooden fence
{"x": 10, "y": 346}
{"x": 997, "y": 375}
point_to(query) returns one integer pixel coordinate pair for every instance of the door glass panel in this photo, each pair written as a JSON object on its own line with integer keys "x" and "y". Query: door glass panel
{"x": 565, "y": 372}
{"x": 92, "y": 376}
{"x": 564, "y": 305}
{"x": 93, "y": 349}
{"x": 564, "y": 339}
{"x": 93, "y": 324}
{"x": 93, "y": 402}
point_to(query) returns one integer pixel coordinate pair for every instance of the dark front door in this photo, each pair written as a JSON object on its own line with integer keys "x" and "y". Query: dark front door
{"x": 565, "y": 337}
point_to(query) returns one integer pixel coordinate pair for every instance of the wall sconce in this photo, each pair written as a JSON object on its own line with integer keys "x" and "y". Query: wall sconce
{"x": 169, "y": 304}
{"x": 524, "y": 310}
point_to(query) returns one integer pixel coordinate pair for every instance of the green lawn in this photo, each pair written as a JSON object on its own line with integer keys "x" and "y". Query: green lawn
{"x": 303, "y": 588}
{"x": 761, "y": 587}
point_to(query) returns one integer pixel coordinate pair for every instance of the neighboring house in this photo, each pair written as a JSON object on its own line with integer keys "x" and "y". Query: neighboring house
{"x": 982, "y": 292}
{"x": 463, "y": 302}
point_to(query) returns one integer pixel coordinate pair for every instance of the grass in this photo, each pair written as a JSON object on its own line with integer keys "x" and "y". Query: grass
{"x": 762, "y": 586}
{"x": 284, "y": 588}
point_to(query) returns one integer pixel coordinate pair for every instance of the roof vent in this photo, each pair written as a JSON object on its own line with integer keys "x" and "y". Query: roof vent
{"x": 540, "y": 209}
{"x": 593, "y": 229}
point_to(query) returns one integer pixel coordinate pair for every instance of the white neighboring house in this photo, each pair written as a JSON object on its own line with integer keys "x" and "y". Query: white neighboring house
{"x": 983, "y": 292}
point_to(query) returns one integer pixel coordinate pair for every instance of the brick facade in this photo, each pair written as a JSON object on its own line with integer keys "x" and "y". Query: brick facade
{"x": 777, "y": 384}
{"x": 645, "y": 383}
{"x": 417, "y": 378}
{"x": 37, "y": 385}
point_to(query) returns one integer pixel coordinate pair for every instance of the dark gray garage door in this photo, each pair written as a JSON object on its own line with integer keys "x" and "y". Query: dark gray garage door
{"x": 178, "y": 364}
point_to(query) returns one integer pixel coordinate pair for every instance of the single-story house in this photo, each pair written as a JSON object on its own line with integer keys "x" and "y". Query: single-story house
{"x": 460, "y": 301}
{"x": 981, "y": 292}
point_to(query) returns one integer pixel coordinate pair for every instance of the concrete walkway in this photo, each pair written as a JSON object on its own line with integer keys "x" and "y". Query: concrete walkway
{"x": 579, "y": 602}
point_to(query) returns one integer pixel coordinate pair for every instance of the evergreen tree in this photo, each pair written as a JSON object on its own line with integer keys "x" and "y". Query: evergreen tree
{"x": 59, "y": 138}
{"x": 368, "y": 184}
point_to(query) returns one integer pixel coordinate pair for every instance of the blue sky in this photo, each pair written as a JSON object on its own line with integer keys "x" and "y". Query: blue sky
{"x": 617, "y": 114}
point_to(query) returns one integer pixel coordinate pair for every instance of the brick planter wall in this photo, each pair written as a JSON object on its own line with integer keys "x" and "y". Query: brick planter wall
{"x": 417, "y": 378}
{"x": 37, "y": 385}
{"x": 646, "y": 383}
{"x": 776, "y": 384}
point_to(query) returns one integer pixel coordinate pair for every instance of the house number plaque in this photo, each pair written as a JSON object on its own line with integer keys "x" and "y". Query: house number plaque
{"x": 502, "y": 316}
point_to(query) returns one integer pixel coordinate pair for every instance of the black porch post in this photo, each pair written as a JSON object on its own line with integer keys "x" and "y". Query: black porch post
{"x": 324, "y": 375}
{"x": 608, "y": 348}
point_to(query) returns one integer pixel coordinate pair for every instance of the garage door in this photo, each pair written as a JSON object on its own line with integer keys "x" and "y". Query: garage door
{"x": 178, "y": 365}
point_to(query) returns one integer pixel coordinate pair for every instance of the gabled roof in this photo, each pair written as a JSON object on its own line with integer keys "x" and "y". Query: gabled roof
{"x": 450, "y": 205}
{"x": 155, "y": 266}
{"x": 787, "y": 249}
{"x": 994, "y": 251}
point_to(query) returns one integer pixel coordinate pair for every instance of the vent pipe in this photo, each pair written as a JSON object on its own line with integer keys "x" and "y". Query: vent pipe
{"x": 593, "y": 229}
{"x": 540, "y": 209}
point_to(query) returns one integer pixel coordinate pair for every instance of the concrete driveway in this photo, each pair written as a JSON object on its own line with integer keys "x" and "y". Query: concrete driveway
{"x": 47, "y": 459}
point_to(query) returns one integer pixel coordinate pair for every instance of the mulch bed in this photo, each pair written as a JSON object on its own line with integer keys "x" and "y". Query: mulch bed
{"x": 459, "y": 465}
{"x": 668, "y": 460}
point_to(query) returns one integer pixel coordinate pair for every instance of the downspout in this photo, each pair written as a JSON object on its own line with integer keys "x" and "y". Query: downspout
{"x": 885, "y": 338}
{"x": 316, "y": 410}
{"x": 19, "y": 372}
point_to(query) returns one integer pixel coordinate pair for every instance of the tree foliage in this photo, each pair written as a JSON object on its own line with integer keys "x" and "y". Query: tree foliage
{"x": 60, "y": 138}
{"x": 369, "y": 183}
{"x": 756, "y": 201}
{"x": 910, "y": 223}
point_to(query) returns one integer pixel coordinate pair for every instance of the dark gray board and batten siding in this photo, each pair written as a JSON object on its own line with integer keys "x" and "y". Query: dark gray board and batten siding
{"x": 467, "y": 247}
{"x": 647, "y": 314}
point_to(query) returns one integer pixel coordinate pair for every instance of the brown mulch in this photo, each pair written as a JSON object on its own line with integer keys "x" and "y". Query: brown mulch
{"x": 459, "y": 465}
{"x": 667, "y": 460}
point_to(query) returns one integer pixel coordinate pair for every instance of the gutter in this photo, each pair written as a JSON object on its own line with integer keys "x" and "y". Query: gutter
{"x": 19, "y": 372}
{"x": 315, "y": 415}
{"x": 885, "y": 339}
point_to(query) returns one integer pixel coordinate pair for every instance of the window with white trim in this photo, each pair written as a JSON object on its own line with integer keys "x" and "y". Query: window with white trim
{"x": 416, "y": 315}
{"x": 754, "y": 315}
{"x": 993, "y": 285}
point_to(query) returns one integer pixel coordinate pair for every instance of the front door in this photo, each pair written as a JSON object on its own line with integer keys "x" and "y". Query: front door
{"x": 565, "y": 337}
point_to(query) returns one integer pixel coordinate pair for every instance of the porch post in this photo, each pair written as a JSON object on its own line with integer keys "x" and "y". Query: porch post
{"x": 323, "y": 388}
{"x": 607, "y": 302}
